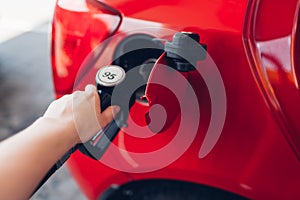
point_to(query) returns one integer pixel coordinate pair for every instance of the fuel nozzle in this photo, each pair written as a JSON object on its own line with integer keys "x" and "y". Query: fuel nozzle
{"x": 185, "y": 50}
{"x": 107, "y": 78}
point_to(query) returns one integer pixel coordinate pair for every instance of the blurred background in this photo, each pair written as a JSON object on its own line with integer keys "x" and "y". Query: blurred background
{"x": 25, "y": 78}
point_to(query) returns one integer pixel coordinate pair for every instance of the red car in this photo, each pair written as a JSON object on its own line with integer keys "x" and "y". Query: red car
{"x": 230, "y": 127}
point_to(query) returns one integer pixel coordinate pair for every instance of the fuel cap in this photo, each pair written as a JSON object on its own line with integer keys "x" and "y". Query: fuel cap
{"x": 186, "y": 45}
{"x": 110, "y": 76}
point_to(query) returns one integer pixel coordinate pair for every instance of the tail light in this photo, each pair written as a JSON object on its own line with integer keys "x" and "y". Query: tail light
{"x": 78, "y": 27}
{"x": 271, "y": 37}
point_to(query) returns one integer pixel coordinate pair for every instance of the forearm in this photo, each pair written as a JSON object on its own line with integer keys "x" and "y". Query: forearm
{"x": 30, "y": 154}
{"x": 26, "y": 157}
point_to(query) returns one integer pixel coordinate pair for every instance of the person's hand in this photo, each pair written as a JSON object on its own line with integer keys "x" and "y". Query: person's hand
{"x": 80, "y": 114}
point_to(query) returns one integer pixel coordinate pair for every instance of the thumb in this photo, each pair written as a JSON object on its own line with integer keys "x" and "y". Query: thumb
{"x": 91, "y": 91}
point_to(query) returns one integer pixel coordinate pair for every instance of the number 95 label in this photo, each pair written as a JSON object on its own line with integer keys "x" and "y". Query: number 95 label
{"x": 110, "y": 75}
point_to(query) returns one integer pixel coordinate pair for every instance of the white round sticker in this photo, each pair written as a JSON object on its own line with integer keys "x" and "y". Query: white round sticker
{"x": 110, "y": 76}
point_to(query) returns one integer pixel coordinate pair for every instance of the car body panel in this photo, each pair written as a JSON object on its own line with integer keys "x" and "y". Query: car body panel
{"x": 257, "y": 154}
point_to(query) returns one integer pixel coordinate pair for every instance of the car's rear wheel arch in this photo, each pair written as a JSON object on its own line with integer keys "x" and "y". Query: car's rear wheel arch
{"x": 161, "y": 189}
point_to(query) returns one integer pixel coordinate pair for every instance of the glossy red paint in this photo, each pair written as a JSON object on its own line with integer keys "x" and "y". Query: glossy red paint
{"x": 274, "y": 50}
{"x": 254, "y": 47}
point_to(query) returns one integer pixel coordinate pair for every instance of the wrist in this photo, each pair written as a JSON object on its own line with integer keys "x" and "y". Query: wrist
{"x": 62, "y": 129}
